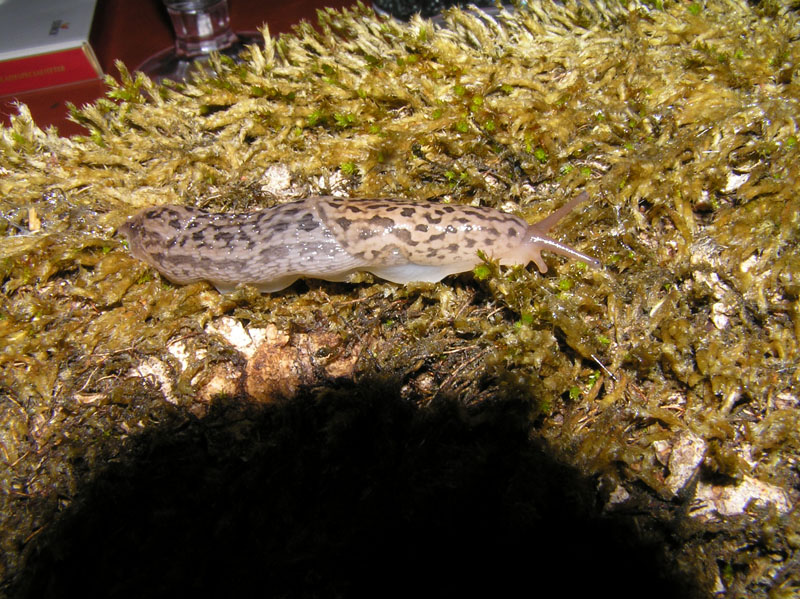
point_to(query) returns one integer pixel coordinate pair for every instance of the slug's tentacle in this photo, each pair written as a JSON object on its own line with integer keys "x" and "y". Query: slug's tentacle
{"x": 330, "y": 238}
{"x": 550, "y": 221}
{"x": 538, "y": 239}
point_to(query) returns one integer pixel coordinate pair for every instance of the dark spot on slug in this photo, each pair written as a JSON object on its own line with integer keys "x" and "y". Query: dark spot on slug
{"x": 264, "y": 218}
{"x": 307, "y": 223}
{"x": 223, "y": 236}
{"x": 179, "y": 259}
{"x": 289, "y": 210}
{"x": 407, "y": 212}
{"x": 404, "y": 235}
{"x": 421, "y": 228}
{"x": 271, "y": 253}
{"x": 381, "y": 222}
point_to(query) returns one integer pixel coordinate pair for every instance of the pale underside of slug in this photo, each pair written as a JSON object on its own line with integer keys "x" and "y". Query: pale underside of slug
{"x": 330, "y": 238}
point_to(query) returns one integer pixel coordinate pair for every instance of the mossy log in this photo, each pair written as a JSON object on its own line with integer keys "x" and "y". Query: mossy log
{"x": 670, "y": 375}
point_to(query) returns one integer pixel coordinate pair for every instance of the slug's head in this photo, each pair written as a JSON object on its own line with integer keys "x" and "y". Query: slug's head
{"x": 537, "y": 239}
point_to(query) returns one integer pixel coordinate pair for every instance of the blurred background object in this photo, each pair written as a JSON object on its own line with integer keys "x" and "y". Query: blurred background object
{"x": 201, "y": 27}
{"x": 43, "y": 44}
{"x": 135, "y": 31}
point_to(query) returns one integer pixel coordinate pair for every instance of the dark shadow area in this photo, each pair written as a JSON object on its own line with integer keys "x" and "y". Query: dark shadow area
{"x": 405, "y": 9}
{"x": 343, "y": 493}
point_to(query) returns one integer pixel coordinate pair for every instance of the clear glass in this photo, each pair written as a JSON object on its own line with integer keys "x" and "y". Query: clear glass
{"x": 201, "y": 27}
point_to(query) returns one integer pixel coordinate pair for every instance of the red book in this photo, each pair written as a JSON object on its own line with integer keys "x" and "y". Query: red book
{"x": 45, "y": 43}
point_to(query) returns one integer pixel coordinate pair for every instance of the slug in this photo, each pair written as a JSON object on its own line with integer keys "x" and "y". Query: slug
{"x": 330, "y": 238}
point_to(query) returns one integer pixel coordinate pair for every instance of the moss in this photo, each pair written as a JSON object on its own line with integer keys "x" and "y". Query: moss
{"x": 679, "y": 120}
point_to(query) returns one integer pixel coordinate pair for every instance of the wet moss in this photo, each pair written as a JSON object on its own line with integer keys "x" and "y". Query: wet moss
{"x": 679, "y": 121}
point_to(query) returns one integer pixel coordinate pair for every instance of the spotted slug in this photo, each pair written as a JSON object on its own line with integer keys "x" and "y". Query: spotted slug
{"x": 330, "y": 238}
